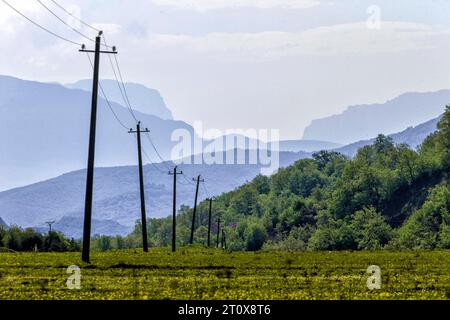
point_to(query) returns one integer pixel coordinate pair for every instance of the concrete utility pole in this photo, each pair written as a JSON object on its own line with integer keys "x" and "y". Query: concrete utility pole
{"x": 174, "y": 213}
{"x": 141, "y": 185}
{"x": 195, "y": 207}
{"x": 91, "y": 156}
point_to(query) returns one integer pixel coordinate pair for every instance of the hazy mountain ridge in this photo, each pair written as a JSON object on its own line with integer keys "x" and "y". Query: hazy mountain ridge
{"x": 364, "y": 122}
{"x": 412, "y": 136}
{"x": 142, "y": 98}
{"x": 54, "y": 129}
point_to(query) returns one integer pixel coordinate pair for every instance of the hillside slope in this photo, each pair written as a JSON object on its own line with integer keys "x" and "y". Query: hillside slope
{"x": 116, "y": 193}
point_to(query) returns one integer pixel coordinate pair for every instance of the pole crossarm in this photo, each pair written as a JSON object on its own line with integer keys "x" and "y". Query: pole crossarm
{"x": 139, "y": 131}
{"x": 93, "y": 51}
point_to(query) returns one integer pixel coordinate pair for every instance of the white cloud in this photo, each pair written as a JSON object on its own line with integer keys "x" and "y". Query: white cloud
{"x": 345, "y": 39}
{"x": 206, "y": 5}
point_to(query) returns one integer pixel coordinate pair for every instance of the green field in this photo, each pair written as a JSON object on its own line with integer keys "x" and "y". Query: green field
{"x": 212, "y": 274}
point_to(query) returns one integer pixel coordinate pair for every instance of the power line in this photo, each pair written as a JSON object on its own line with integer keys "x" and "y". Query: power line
{"x": 206, "y": 190}
{"x": 75, "y": 17}
{"x": 106, "y": 99}
{"x": 123, "y": 84}
{"x": 151, "y": 162}
{"x": 189, "y": 182}
{"x": 42, "y": 27}
{"x": 123, "y": 91}
{"x": 156, "y": 150}
{"x": 65, "y": 23}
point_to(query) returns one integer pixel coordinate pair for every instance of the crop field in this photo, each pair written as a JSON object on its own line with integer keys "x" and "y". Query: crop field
{"x": 195, "y": 273}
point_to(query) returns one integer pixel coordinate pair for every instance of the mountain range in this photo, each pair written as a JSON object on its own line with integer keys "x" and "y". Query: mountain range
{"x": 364, "y": 122}
{"x": 116, "y": 194}
{"x": 45, "y": 126}
{"x": 45, "y": 130}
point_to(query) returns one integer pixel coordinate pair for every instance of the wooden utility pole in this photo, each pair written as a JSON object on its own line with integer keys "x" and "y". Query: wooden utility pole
{"x": 141, "y": 185}
{"x": 209, "y": 221}
{"x": 50, "y": 223}
{"x": 91, "y": 155}
{"x": 218, "y": 231}
{"x": 174, "y": 213}
{"x": 195, "y": 207}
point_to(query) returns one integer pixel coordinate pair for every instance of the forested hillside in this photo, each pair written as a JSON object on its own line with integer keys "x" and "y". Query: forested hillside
{"x": 386, "y": 196}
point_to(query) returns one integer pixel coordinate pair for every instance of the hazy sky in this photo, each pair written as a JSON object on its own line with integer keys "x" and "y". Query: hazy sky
{"x": 245, "y": 63}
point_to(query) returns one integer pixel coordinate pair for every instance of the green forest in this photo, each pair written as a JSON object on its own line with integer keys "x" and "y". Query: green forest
{"x": 387, "y": 197}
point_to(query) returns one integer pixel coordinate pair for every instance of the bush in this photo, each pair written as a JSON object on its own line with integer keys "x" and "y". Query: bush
{"x": 255, "y": 236}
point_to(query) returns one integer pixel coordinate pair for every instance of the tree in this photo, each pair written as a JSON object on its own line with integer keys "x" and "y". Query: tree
{"x": 408, "y": 162}
{"x": 2, "y": 236}
{"x": 31, "y": 240}
{"x": 55, "y": 242}
{"x": 104, "y": 243}
{"x": 13, "y": 239}
{"x": 245, "y": 201}
{"x": 425, "y": 228}
{"x": 332, "y": 234}
{"x": 383, "y": 144}
{"x": 255, "y": 236}
{"x": 444, "y": 136}
{"x": 262, "y": 184}
{"x": 370, "y": 229}
{"x": 329, "y": 161}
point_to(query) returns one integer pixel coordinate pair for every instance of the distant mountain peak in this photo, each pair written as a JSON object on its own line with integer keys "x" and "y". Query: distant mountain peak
{"x": 141, "y": 98}
{"x": 362, "y": 122}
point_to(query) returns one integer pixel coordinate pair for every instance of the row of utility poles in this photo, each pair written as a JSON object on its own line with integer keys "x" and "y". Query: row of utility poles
{"x": 90, "y": 173}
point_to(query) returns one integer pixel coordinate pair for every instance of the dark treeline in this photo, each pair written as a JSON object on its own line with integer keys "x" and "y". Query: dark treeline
{"x": 17, "y": 239}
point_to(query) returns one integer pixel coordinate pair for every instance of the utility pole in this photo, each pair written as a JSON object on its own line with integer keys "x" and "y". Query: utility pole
{"x": 50, "y": 223}
{"x": 218, "y": 231}
{"x": 209, "y": 221}
{"x": 91, "y": 155}
{"x": 195, "y": 207}
{"x": 141, "y": 185}
{"x": 174, "y": 214}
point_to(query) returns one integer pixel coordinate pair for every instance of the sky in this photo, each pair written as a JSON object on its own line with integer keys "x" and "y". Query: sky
{"x": 241, "y": 64}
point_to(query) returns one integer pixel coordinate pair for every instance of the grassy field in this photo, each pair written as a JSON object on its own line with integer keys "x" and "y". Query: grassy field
{"x": 212, "y": 274}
